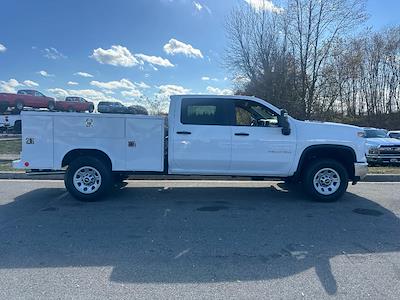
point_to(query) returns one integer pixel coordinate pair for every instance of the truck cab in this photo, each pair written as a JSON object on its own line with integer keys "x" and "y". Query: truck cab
{"x": 207, "y": 135}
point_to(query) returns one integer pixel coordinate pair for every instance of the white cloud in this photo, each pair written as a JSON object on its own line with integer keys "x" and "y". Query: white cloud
{"x": 9, "y": 86}
{"x": 58, "y": 93}
{"x": 45, "y": 74}
{"x": 132, "y": 93}
{"x": 112, "y": 85}
{"x": 154, "y": 60}
{"x": 83, "y": 74}
{"x": 197, "y": 5}
{"x": 72, "y": 83}
{"x": 177, "y": 47}
{"x": 142, "y": 85}
{"x": 117, "y": 55}
{"x": 2, "y": 48}
{"x": 207, "y": 78}
{"x": 30, "y": 83}
{"x": 218, "y": 91}
{"x": 171, "y": 89}
{"x": 52, "y": 53}
{"x": 267, "y": 5}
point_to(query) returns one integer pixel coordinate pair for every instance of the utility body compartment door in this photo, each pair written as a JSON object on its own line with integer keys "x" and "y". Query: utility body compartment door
{"x": 144, "y": 144}
{"x": 37, "y": 141}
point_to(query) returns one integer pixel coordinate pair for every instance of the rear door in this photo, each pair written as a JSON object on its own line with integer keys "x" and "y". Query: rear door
{"x": 201, "y": 137}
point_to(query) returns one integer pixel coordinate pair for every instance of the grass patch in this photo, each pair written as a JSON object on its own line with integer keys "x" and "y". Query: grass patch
{"x": 6, "y": 166}
{"x": 10, "y": 146}
{"x": 384, "y": 170}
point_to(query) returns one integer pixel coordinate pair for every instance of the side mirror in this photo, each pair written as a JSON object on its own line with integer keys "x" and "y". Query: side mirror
{"x": 284, "y": 122}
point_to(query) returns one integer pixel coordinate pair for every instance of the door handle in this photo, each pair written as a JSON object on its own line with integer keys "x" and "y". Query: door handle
{"x": 242, "y": 134}
{"x": 183, "y": 132}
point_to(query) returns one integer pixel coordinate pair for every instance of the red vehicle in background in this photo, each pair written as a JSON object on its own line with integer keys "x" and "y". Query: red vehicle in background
{"x": 25, "y": 98}
{"x": 77, "y": 104}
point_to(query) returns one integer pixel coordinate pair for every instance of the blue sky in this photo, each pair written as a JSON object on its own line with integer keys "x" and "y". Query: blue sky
{"x": 128, "y": 47}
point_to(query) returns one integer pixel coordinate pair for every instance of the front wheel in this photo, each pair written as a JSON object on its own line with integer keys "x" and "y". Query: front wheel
{"x": 51, "y": 105}
{"x": 88, "y": 179}
{"x": 326, "y": 180}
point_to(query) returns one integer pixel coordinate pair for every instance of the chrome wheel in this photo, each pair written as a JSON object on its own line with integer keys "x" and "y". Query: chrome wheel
{"x": 87, "y": 180}
{"x": 326, "y": 181}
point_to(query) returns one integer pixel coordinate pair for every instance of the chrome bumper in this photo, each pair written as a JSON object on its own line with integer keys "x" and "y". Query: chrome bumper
{"x": 360, "y": 170}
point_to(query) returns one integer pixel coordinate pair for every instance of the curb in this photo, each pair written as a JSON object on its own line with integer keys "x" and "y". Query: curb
{"x": 25, "y": 176}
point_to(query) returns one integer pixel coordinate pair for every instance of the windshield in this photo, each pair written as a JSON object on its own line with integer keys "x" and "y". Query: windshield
{"x": 375, "y": 133}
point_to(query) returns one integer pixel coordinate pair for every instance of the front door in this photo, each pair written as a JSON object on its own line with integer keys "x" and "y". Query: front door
{"x": 201, "y": 138}
{"x": 258, "y": 145}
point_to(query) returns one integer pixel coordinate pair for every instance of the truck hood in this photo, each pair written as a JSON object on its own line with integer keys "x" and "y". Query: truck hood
{"x": 328, "y": 130}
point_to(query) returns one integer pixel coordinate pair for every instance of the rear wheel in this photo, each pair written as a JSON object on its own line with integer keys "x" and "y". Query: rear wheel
{"x": 88, "y": 179}
{"x": 3, "y": 107}
{"x": 91, "y": 108}
{"x": 326, "y": 180}
{"x": 17, "y": 127}
{"x": 51, "y": 105}
{"x": 19, "y": 105}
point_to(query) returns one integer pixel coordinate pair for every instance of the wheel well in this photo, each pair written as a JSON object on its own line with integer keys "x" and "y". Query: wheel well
{"x": 73, "y": 154}
{"x": 342, "y": 154}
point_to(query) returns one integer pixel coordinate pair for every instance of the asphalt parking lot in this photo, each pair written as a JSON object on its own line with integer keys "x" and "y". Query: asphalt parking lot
{"x": 199, "y": 239}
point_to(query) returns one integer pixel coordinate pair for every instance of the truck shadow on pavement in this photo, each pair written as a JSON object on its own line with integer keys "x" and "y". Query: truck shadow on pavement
{"x": 195, "y": 234}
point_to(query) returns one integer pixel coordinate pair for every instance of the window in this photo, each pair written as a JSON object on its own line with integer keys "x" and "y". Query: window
{"x": 375, "y": 133}
{"x": 251, "y": 113}
{"x": 204, "y": 111}
{"x": 38, "y": 94}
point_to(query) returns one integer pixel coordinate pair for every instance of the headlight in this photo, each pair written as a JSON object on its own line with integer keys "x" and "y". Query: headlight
{"x": 373, "y": 150}
{"x": 361, "y": 134}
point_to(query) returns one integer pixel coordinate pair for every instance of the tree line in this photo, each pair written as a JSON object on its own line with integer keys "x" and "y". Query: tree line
{"x": 316, "y": 59}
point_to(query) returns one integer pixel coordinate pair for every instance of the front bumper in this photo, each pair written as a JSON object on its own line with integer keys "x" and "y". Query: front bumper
{"x": 383, "y": 158}
{"x": 360, "y": 170}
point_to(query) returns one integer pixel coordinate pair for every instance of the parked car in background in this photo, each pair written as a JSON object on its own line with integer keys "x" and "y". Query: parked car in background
{"x": 381, "y": 149}
{"x": 395, "y": 134}
{"x": 77, "y": 104}
{"x": 137, "y": 110}
{"x": 25, "y": 98}
{"x": 112, "y": 107}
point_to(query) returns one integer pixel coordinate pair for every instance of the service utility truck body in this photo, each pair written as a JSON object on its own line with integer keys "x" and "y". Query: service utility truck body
{"x": 206, "y": 135}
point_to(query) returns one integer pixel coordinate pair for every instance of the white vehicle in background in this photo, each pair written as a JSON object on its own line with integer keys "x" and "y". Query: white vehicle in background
{"x": 381, "y": 149}
{"x": 207, "y": 135}
{"x": 394, "y": 134}
{"x": 10, "y": 123}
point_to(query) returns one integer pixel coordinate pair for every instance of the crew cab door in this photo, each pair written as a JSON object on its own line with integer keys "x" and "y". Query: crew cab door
{"x": 200, "y": 140}
{"x": 258, "y": 145}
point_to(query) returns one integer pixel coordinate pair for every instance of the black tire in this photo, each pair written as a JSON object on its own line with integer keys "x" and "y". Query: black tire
{"x": 51, "y": 105}
{"x": 3, "y": 107}
{"x": 71, "y": 109}
{"x": 311, "y": 171}
{"x": 19, "y": 105}
{"x": 100, "y": 167}
{"x": 17, "y": 127}
{"x": 91, "y": 109}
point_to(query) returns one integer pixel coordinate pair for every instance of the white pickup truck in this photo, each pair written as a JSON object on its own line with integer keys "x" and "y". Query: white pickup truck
{"x": 207, "y": 135}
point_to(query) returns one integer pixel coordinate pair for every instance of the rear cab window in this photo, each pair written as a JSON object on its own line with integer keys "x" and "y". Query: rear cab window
{"x": 205, "y": 111}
